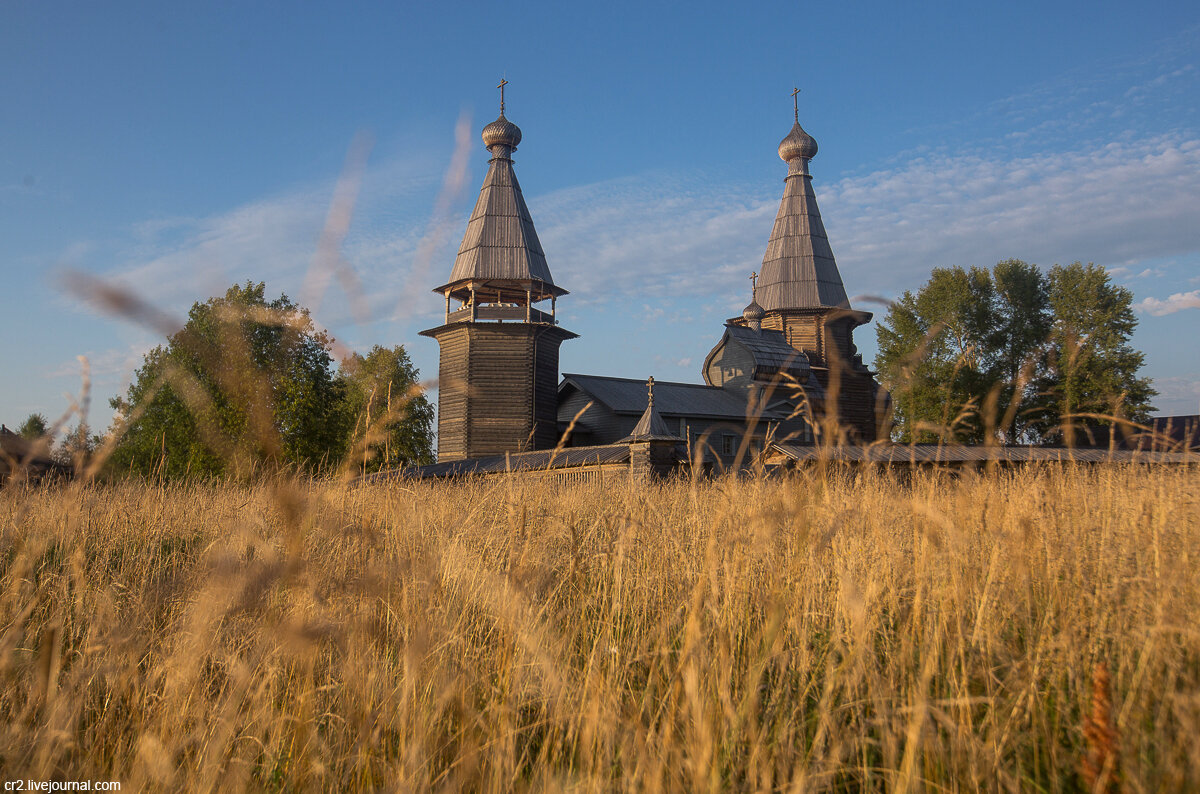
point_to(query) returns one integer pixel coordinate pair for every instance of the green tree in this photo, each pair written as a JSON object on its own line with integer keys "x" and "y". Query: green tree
{"x": 33, "y": 427}
{"x": 245, "y": 383}
{"x": 1020, "y": 320}
{"x": 933, "y": 355}
{"x": 1007, "y": 354}
{"x": 1094, "y": 369}
{"x": 77, "y": 447}
{"x": 393, "y": 419}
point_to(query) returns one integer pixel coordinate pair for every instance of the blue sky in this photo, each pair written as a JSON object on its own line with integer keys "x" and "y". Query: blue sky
{"x": 174, "y": 151}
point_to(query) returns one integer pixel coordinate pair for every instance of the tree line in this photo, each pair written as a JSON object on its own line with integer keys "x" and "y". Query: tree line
{"x": 249, "y": 384}
{"x": 1012, "y": 355}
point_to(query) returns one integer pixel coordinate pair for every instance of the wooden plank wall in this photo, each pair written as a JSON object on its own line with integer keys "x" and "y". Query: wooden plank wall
{"x": 452, "y": 393}
{"x": 598, "y": 425}
{"x": 498, "y": 389}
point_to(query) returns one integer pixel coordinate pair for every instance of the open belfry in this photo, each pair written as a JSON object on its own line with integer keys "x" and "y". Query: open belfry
{"x": 800, "y": 293}
{"x": 498, "y": 372}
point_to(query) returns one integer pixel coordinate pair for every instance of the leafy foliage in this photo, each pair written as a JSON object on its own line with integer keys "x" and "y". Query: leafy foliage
{"x": 394, "y": 425}
{"x": 33, "y": 427}
{"x": 934, "y": 353}
{"x": 1009, "y": 353}
{"x": 77, "y": 446}
{"x": 246, "y": 383}
{"x": 1094, "y": 369}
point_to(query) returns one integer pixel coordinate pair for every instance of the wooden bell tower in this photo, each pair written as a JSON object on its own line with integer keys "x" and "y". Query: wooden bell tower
{"x": 498, "y": 374}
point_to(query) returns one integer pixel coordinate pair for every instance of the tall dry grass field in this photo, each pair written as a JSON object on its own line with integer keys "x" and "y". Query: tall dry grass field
{"x": 1021, "y": 631}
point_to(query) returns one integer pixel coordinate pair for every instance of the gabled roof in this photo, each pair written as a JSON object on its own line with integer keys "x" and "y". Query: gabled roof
{"x": 500, "y": 243}
{"x": 628, "y": 396}
{"x": 798, "y": 269}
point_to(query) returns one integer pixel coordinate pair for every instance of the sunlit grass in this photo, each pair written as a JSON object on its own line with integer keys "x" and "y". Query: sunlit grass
{"x": 746, "y": 634}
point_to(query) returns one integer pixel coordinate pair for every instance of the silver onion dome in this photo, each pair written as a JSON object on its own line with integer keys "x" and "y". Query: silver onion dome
{"x": 753, "y": 312}
{"x": 798, "y": 143}
{"x": 502, "y": 132}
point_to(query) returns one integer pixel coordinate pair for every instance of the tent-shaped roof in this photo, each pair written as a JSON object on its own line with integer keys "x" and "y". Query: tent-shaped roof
{"x": 500, "y": 243}
{"x": 798, "y": 270}
{"x": 651, "y": 426}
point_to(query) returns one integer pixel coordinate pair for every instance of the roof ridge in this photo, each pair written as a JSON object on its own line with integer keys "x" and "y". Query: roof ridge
{"x": 636, "y": 380}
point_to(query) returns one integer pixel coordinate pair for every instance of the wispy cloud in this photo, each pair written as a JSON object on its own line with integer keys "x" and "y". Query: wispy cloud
{"x": 175, "y": 261}
{"x": 1175, "y": 303}
{"x": 656, "y": 234}
{"x": 1178, "y": 395}
{"x": 1119, "y": 204}
{"x": 104, "y": 365}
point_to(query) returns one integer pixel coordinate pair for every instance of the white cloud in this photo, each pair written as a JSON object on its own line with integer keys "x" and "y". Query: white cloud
{"x": 1175, "y": 303}
{"x": 654, "y": 234}
{"x": 1178, "y": 395}
{"x": 663, "y": 236}
{"x": 685, "y": 244}
{"x": 172, "y": 262}
{"x": 1118, "y": 204}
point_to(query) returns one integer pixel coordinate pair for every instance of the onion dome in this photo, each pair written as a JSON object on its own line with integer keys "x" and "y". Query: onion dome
{"x": 753, "y": 312}
{"x": 798, "y": 143}
{"x": 503, "y": 132}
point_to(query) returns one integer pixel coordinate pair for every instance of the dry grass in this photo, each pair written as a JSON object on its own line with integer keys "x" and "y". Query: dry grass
{"x": 798, "y": 634}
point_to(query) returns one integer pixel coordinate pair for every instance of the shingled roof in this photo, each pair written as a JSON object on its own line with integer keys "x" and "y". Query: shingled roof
{"x": 500, "y": 243}
{"x": 798, "y": 269}
{"x": 769, "y": 348}
{"x": 651, "y": 426}
{"x": 628, "y": 396}
{"x": 18, "y": 454}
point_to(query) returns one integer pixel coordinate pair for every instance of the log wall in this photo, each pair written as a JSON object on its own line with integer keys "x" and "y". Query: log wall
{"x": 498, "y": 388}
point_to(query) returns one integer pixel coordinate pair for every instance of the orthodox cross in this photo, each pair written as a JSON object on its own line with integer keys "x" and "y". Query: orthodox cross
{"x": 650, "y": 389}
{"x": 795, "y": 104}
{"x": 754, "y": 285}
{"x": 503, "y": 83}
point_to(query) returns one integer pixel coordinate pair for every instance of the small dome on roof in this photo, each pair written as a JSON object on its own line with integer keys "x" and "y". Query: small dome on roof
{"x": 798, "y": 143}
{"x": 502, "y": 131}
{"x": 753, "y": 312}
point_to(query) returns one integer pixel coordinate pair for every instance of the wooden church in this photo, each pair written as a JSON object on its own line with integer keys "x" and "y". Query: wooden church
{"x": 785, "y": 371}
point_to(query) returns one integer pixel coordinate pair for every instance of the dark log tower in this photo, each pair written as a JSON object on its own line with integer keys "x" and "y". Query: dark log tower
{"x": 498, "y": 375}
